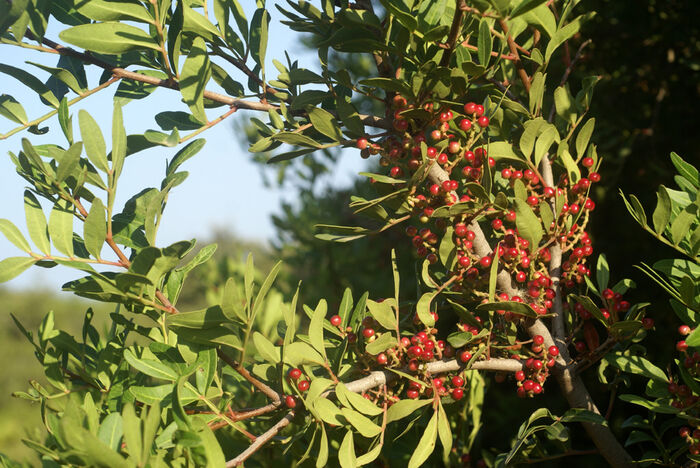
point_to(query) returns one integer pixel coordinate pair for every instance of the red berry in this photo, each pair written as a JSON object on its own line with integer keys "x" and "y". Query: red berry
{"x": 336, "y": 320}
{"x": 528, "y": 385}
{"x": 470, "y": 108}
{"x": 290, "y": 401}
{"x": 648, "y": 323}
{"x": 454, "y": 147}
{"x": 520, "y": 376}
{"x": 294, "y": 373}
{"x": 553, "y": 351}
{"x": 431, "y": 152}
{"x": 483, "y": 121}
{"x": 362, "y": 143}
{"x": 465, "y": 356}
{"x": 485, "y": 262}
{"x": 368, "y": 332}
{"x": 479, "y": 110}
{"x": 497, "y": 224}
{"x": 412, "y": 394}
{"x": 465, "y": 124}
{"x": 457, "y": 393}
{"x": 382, "y": 359}
{"x": 682, "y": 346}
{"x": 684, "y": 330}
{"x": 457, "y": 381}
{"x": 303, "y": 385}
{"x": 538, "y": 339}
{"x": 587, "y": 162}
{"x": 532, "y": 200}
{"x": 594, "y": 177}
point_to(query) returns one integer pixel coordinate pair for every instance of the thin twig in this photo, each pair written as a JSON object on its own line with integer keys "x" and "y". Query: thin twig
{"x": 261, "y": 440}
{"x": 514, "y": 51}
{"x": 455, "y": 29}
{"x": 272, "y": 394}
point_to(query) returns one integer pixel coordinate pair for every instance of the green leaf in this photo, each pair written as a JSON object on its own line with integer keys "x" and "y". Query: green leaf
{"x": 383, "y": 313}
{"x": 423, "y": 309}
{"x": 118, "y": 141}
{"x": 198, "y": 319}
{"x": 544, "y": 142}
{"x": 387, "y": 84}
{"x": 484, "y": 42}
{"x": 13, "y": 266}
{"x": 298, "y": 353}
{"x": 583, "y": 415}
{"x": 382, "y": 343}
{"x": 355, "y": 400}
{"x": 296, "y": 139}
{"x": 111, "y": 431}
{"x": 65, "y": 120}
{"x": 108, "y": 38}
{"x": 11, "y": 109}
{"x": 346, "y": 452}
{"x": 444, "y": 432}
{"x": 93, "y": 141}
{"x": 322, "y": 457}
{"x": 36, "y": 223}
{"x": 150, "y": 367}
{"x": 69, "y": 164}
{"x": 524, "y": 6}
{"x": 528, "y": 224}
{"x": 537, "y": 92}
{"x": 650, "y": 405}
{"x": 95, "y": 228}
{"x": 404, "y": 408}
{"x": 584, "y": 136}
{"x": 324, "y": 122}
{"x": 693, "y": 340}
{"x": 426, "y": 444}
{"x": 258, "y": 36}
{"x": 681, "y": 225}
{"x": 561, "y": 36}
{"x": 194, "y": 76}
{"x": 590, "y": 306}
{"x": 102, "y": 10}
{"x": 602, "y": 272}
{"x": 361, "y": 423}
{"x": 14, "y": 235}
{"x": 198, "y": 24}
{"x": 61, "y": 227}
{"x": 687, "y": 171}
{"x": 267, "y": 350}
{"x": 636, "y": 365}
{"x": 184, "y": 154}
{"x": 662, "y": 213}
{"x": 328, "y": 411}
{"x": 571, "y": 166}
{"x": 32, "y": 82}
{"x": 316, "y": 327}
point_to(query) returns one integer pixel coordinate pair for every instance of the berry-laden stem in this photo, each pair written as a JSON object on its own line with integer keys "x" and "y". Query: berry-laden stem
{"x": 570, "y": 384}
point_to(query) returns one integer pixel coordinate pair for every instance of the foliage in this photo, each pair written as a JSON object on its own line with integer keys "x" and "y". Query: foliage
{"x": 479, "y": 141}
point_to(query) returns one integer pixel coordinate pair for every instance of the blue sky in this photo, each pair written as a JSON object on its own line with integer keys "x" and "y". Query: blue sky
{"x": 225, "y": 189}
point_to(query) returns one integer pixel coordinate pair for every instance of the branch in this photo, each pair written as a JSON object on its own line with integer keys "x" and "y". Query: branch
{"x": 455, "y": 29}
{"x": 272, "y": 394}
{"x": 369, "y": 120}
{"x": 378, "y": 378}
{"x": 516, "y": 61}
{"x": 261, "y": 440}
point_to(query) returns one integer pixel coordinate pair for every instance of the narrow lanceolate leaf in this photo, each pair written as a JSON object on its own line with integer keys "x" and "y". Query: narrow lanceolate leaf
{"x": 14, "y": 235}
{"x": 324, "y": 122}
{"x": 266, "y": 349}
{"x": 111, "y": 430}
{"x": 13, "y": 266}
{"x": 118, "y": 141}
{"x": 258, "y": 36}
{"x": 484, "y": 42}
{"x": 11, "y": 109}
{"x": 70, "y": 163}
{"x": 346, "y": 453}
{"x": 132, "y": 431}
{"x": 65, "y": 120}
{"x": 61, "y": 227}
{"x": 193, "y": 78}
{"x": 93, "y": 140}
{"x": 316, "y": 327}
{"x": 662, "y": 213}
{"x": 426, "y": 444}
{"x": 528, "y": 224}
{"x": 444, "y": 432}
{"x": 584, "y": 136}
{"x": 636, "y": 365}
{"x": 32, "y": 82}
{"x": 109, "y": 38}
{"x": 150, "y": 367}
{"x": 36, "y": 223}
{"x": 95, "y": 228}
{"x": 103, "y": 10}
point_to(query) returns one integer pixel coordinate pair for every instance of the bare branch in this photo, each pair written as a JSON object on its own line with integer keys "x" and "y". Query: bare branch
{"x": 261, "y": 440}
{"x": 272, "y": 394}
